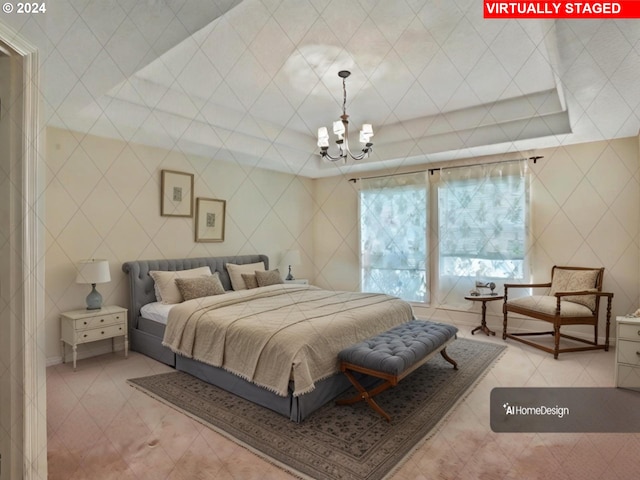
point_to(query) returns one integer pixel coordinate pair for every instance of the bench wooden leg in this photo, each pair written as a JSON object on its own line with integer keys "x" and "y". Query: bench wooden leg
{"x": 364, "y": 394}
{"x": 443, "y": 352}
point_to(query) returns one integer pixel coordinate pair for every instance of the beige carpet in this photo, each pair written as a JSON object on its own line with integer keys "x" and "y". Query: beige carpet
{"x": 346, "y": 442}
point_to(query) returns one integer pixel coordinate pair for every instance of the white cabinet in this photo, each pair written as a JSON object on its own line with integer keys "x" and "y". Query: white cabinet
{"x": 83, "y": 326}
{"x": 299, "y": 281}
{"x": 628, "y": 353}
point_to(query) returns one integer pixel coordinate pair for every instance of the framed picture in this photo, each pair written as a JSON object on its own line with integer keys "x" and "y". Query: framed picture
{"x": 176, "y": 194}
{"x": 210, "y": 219}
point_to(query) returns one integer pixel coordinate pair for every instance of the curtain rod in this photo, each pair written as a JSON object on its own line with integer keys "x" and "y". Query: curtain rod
{"x": 535, "y": 159}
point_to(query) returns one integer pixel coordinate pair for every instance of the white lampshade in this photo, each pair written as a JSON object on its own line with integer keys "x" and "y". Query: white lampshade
{"x": 338, "y": 128}
{"x": 366, "y": 133}
{"x": 93, "y": 271}
{"x": 323, "y": 137}
{"x": 291, "y": 257}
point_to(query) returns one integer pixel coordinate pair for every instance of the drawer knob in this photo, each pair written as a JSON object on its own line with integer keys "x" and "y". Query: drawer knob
{"x": 86, "y": 323}
{"x": 102, "y": 319}
{"x": 101, "y": 333}
{"x": 638, "y": 353}
{"x": 118, "y": 318}
{"x": 85, "y": 335}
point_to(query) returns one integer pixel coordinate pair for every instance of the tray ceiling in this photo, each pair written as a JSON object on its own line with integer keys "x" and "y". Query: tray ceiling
{"x": 251, "y": 81}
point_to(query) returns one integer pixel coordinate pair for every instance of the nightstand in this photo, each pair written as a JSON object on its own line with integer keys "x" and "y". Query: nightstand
{"x": 299, "y": 281}
{"x": 628, "y": 353}
{"x": 84, "y": 326}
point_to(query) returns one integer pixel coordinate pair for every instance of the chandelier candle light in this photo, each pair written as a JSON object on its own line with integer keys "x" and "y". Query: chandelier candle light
{"x": 341, "y": 129}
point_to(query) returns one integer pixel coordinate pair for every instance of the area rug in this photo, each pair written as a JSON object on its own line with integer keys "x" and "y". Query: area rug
{"x": 336, "y": 442}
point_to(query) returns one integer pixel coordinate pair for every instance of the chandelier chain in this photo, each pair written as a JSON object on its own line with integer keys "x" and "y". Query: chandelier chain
{"x": 344, "y": 96}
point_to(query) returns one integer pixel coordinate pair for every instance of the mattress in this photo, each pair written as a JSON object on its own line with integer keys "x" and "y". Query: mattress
{"x": 156, "y": 311}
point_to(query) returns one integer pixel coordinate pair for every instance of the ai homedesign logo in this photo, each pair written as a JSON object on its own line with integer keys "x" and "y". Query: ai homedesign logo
{"x": 541, "y": 410}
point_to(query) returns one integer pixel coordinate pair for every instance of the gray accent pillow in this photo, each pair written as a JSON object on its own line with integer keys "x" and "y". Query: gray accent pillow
{"x": 165, "y": 286}
{"x": 270, "y": 277}
{"x": 250, "y": 280}
{"x": 236, "y": 271}
{"x": 198, "y": 287}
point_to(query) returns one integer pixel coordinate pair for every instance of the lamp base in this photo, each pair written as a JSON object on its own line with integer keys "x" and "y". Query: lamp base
{"x": 94, "y": 299}
{"x": 289, "y": 276}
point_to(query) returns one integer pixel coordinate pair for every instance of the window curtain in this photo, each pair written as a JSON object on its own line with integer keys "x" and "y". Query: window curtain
{"x": 393, "y": 236}
{"x": 483, "y": 228}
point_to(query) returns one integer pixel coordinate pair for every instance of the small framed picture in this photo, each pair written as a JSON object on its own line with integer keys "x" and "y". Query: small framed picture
{"x": 176, "y": 194}
{"x": 210, "y": 219}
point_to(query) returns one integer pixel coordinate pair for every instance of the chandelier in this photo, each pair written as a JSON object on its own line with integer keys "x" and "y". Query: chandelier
{"x": 341, "y": 130}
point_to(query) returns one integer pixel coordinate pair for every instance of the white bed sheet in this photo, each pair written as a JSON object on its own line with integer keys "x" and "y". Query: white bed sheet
{"x": 156, "y": 311}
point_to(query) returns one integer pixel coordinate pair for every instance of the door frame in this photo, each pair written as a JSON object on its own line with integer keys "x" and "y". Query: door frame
{"x": 30, "y": 317}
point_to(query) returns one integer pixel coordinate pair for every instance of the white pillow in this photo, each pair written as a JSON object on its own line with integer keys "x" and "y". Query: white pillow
{"x": 236, "y": 271}
{"x": 165, "y": 283}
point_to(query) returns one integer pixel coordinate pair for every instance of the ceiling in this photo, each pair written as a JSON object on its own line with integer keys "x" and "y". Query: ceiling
{"x": 251, "y": 81}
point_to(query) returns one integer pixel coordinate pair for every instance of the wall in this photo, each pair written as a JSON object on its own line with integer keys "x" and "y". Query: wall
{"x": 103, "y": 201}
{"x": 585, "y": 202}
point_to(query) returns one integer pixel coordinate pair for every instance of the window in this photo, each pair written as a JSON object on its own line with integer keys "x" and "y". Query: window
{"x": 482, "y": 227}
{"x": 480, "y": 231}
{"x": 393, "y": 244}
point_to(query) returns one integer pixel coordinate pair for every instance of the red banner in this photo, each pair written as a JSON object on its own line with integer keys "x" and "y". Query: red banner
{"x": 561, "y": 9}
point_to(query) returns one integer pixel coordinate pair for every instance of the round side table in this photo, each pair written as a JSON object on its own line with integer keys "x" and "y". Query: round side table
{"x": 484, "y": 299}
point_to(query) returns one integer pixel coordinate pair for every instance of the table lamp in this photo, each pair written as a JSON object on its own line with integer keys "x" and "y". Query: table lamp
{"x": 291, "y": 257}
{"x": 91, "y": 272}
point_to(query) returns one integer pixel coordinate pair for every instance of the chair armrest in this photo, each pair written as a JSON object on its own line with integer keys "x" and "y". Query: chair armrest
{"x": 507, "y": 286}
{"x": 526, "y": 285}
{"x": 584, "y": 293}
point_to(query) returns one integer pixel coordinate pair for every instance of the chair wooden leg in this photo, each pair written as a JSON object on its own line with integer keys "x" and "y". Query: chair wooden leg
{"x": 504, "y": 325}
{"x": 556, "y": 334}
{"x": 606, "y": 340}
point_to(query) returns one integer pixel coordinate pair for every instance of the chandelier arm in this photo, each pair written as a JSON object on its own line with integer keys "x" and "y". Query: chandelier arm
{"x": 325, "y": 154}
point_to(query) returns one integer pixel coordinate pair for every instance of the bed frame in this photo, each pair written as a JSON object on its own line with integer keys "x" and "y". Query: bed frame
{"x": 146, "y": 337}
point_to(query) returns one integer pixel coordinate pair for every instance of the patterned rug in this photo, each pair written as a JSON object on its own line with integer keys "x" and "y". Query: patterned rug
{"x": 336, "y": 442}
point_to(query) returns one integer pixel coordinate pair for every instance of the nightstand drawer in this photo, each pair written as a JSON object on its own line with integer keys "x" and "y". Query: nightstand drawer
{"x": 632, "y": 332}
{"x": 628, "y": 352}
{"x": 99, "y": 333}
{"x": 628, "y": 377}
{"x": 99, "y": 321}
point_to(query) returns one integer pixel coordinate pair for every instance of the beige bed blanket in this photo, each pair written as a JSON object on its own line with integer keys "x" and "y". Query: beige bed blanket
{"x": 272, "y": 334}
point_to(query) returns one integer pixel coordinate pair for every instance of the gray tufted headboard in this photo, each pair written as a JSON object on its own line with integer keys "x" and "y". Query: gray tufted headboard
{"x": 141, "y": 289}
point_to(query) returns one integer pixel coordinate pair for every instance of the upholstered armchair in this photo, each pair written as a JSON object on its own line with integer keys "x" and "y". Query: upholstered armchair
{"x": 573, "y": 298}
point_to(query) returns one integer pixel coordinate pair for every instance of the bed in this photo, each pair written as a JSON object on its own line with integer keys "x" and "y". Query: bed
{"x": 311, "y": 379}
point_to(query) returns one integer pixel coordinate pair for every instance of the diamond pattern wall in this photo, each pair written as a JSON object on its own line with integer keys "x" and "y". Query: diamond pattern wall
{"x": 108, "y": 206}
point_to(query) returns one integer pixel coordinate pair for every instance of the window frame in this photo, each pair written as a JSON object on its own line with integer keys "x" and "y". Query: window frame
{"x": 432, "y": 261}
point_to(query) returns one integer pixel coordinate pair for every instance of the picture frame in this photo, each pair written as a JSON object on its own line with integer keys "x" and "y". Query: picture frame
{"x": 176, "y": 194}
{"x": 210, "y": 219}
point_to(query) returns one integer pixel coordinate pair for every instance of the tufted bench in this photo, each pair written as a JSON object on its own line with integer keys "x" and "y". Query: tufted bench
{"x": 392, "y": 355}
